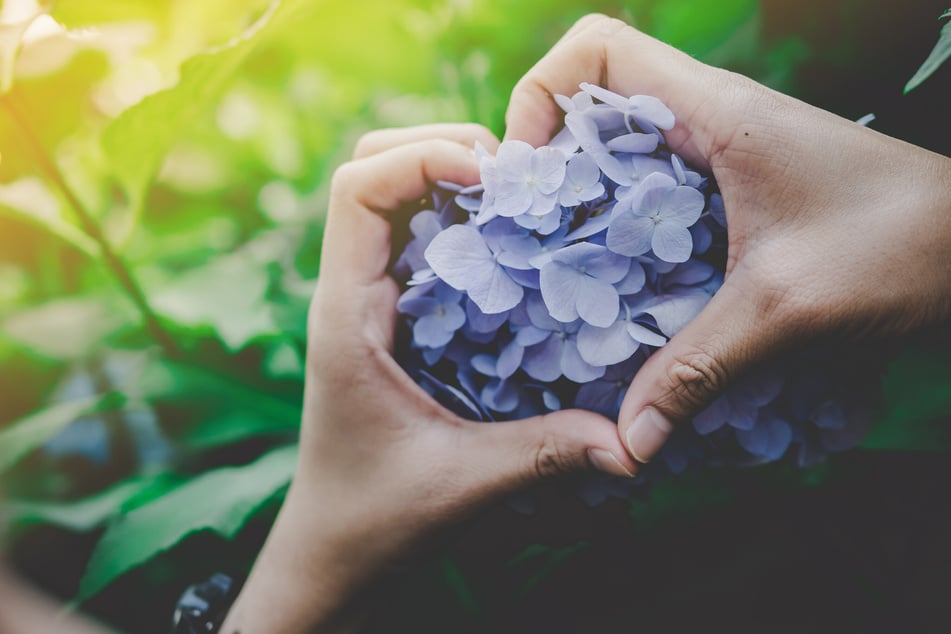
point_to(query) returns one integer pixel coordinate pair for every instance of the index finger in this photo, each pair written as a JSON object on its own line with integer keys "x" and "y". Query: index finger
{"x": 609, "y": 53}
{"x": 364, "y": 192}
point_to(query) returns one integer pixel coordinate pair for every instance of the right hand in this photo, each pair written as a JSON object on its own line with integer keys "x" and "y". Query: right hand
{"x": 835, "y": 230}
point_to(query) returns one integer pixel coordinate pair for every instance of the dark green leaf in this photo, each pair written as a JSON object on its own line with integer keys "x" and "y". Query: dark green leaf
{"x": 938, "y": 56}
{"x": 221, "y": 501}
{"x": 460, "y": 587}
{"x": 235, "y": 427}
{"x": 23, "y": 436}
{"x": 82, "y": 515}
{"x": 916, "y": 414}
{"x": 188, "y": 384}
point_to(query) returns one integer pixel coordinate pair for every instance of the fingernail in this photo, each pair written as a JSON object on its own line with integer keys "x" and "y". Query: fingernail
{"x": 647, "y": 434}
{"x": 605, "y": 461}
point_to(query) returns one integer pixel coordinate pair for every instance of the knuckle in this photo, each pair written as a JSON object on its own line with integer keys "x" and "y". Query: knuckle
{"x": 475, "y": 131}
{"x": 367, "y": 143}
{"x": 550, "y": 458}
{"x": 345, "y": 177}
{"x": 602, "y": 23}
{"x": 695, "y": 376}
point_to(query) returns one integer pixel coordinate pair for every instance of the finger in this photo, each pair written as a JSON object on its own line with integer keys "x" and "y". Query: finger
{"x": 356, "y": 246}
{"x": 609, "y": 53}
{"x": 463, "y": 133}
{"x": 504, "y": 457}
{"x": 734, "y": 332}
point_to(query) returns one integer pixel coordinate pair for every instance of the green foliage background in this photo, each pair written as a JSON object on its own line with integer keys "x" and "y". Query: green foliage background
{"x": 162, "y": 192}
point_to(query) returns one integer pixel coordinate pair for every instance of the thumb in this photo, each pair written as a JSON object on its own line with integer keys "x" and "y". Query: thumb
{"x": 504, "y": 457}
{"x": 735, "y": 330}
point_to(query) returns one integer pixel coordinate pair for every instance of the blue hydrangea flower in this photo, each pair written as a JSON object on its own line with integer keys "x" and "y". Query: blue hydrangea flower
{"x": 551, "y": 282}
{"x": 524, "y": 184}
{"x": 657, "y": 217}
{"x": 460, "y": 257}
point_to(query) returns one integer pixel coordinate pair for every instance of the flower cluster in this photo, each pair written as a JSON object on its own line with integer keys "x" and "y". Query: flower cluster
{"x": 549, "y": 284}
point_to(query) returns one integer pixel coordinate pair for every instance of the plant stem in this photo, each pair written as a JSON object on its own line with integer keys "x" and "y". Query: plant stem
{"x": 112, "y": 260}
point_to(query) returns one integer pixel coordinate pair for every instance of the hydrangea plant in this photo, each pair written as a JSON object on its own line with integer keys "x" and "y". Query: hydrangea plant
{"x": 549, "y": 284}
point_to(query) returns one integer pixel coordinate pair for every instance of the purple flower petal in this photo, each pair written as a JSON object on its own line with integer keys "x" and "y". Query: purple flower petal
{"x": 460, "y": 257}
{"x": 644, "y": 335}
{"x": 634, "y": 143}
{"x": 672, "y": 242}
{"x": 673, "y": 312}
{"x": 575, "y": 368}
{"x": 630, "y": 234}
{"x": 605, "y": 346}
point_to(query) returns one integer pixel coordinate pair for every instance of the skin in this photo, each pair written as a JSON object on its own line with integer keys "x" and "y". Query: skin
{"x": 835, "y": 230}
{"x": 394, "y": 466}
{"x": 383, "y": 468}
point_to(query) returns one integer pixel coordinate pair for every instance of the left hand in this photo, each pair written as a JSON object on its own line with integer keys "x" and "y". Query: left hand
{"x": 382, "y": 466}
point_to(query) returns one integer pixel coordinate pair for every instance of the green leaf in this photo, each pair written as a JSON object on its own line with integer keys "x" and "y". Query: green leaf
{"x": 26, "y": 434}
{"x": 188, "y": 384}
{"x": 221, "y": 501}
{"x": 226, "y": 295}
{"x": 683, "y": 495}
{"x": 80, "y": 516}
{"x": 69, "y": 328}
{"x": 142, "y": 135}
{"x": 456, "y": 580}
{"x": 916, "y": 414}
{"x": 11, "y": 36}
{"x": 235, "y": 427}
{"x": 938, "y": 56}
{"x": 83, "y": 13}
{"x": 29, "y": 198}
{"x": 699, "y": 26}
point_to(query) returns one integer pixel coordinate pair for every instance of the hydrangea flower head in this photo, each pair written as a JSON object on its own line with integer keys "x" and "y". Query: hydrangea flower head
{"x": 552, "y": 282}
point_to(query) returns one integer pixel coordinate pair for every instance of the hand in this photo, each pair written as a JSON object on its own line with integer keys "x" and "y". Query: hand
{"x": 835, "y": 230}
{"x": 382, "y": 465}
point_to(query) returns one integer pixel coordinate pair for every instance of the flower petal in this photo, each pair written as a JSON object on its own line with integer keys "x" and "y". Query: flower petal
{"x": 605, "y": 346}
{"x": 542, "y": 362}
{"x": 672, "y": 242}
{"x": 560, "y": 285}
{"x": 630, "y": 234}
{"x": 597, "y": 302}
{"x": 575, "y": 368}
{"x": 645, "y": 335}
{"x": 673, "y": 312}
{"x": 683, "y": 206}
{"x": 634, "y": 143}
{"x": 651, "y": 109}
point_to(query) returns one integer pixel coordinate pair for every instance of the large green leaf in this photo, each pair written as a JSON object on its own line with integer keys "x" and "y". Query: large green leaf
{"x": 30, "y": 199}
{"x": 233, "y": 427}
{"x": 141, "y": 136}
{"x": 16, "y": 20}
{"x": 81, "y": 515}
{"x": 226, "y": 295}
{"x": 69, "y": 328}
{"x": 221, "y": 501}
{"x": 917, "y": 408}
{"x": 190, "y": 385}
{"x": 938, "y": 56}
{"x": 26, "y": 434}
{"x": 699, "y": 26}
{"x": 83, "y": 13}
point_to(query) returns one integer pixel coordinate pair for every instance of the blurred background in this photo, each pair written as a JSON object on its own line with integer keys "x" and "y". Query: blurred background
{"x": 163, "y": 185}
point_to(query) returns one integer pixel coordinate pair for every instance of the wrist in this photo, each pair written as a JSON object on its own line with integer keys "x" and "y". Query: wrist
{"x": 304, "y": 580}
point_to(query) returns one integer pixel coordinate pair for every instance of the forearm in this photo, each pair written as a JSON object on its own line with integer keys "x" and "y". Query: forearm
{"x": 24, "y": 611}
{"x": 290, "y": 592}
